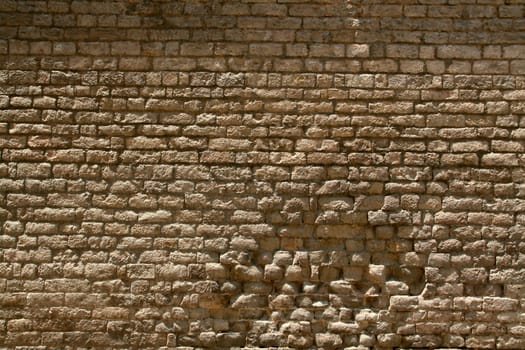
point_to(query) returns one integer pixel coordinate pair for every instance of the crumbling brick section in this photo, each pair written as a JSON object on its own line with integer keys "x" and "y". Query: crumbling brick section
{"x": 320, "y": 174}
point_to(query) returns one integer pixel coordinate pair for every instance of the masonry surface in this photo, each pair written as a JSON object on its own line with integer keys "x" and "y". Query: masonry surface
{"x": 317, "y": 174}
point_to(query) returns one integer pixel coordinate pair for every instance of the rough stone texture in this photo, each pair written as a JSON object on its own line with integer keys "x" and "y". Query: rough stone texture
{"x": 262, "y": 173}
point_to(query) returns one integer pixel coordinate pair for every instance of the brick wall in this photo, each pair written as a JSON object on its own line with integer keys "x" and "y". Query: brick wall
{"x": 260, "y": 173}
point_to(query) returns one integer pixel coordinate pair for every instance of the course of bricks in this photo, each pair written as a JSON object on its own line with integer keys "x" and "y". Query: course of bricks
{"x": 322, "y": 174}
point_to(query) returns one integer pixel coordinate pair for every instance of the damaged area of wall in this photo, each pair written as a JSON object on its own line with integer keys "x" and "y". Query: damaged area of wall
{"x": 262, "y": 173}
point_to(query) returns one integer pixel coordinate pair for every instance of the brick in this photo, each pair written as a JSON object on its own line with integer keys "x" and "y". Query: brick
{"x": 499, "y": 159}
{"x": 499, "y": 304}
{"x": 357, "y": 50}
{"x": 327, "y": 50}
{"x": 458, "y": 51}
{"x": 490, "y": 67}
{"x": 402, "y": 51}
{"x": 98, "y": 271}
{"x": 141, "y": 271}
{"x": 384, "y": 10}
{"x": 191, "y": 49}
{"x": 268, "y": 9}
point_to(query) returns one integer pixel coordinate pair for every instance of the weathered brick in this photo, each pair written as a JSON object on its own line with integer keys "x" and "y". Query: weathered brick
{"x": 458, "y": 51}
{"x": 97, "y": 271}
{"x": 141, "y": 271}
